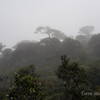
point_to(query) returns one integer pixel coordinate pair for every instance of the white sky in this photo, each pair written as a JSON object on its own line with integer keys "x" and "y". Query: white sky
{"x": 19, "y": 18}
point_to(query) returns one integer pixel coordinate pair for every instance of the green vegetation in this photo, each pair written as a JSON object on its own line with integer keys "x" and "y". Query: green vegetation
{"x": 52, "y": 78}
{"x": 74, "y": 79}
{"x": 26, "y": 86}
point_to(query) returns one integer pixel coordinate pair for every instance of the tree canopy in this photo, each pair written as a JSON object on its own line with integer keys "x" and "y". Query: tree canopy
{"x": 52, "y": 33}
{"x": 26, "y": 86}
{"x": 74, "y": 78}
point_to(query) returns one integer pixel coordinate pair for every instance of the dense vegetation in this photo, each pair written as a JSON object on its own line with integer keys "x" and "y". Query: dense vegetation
{"x": 51, "y": 81}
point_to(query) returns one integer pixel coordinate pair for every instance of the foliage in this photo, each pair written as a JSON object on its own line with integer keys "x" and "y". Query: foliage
{"x": 87, "y": 30}
{"x": 94, "y": 46}
{"x": 52, "y": 33}
{"x": 74, "y": 78}
{"x": 72, "y": 48}
{"x": 44, "y": 54}
{"x": 26, "y": 86}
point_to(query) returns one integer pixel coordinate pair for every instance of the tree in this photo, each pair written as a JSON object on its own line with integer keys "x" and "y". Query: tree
{"x": 72, "y": 48}
{"x": 6, "y": 52}
{"x": 85, "y": 35}
{"x": 74, "y": 78}
{"x": 83, "y": 39}
{"x": 86, "y": 30}
{"x": 94, "y": 46}
{"x": 26, "y": 86}
{"x": 1, "y": 47}
{"x": 52, "y": 33}
{"x": 94, "y": 73}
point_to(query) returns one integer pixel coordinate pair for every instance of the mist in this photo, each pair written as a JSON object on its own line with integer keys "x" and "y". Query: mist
{"x": 20, "y": 18}
{"x": 49, "y": 50}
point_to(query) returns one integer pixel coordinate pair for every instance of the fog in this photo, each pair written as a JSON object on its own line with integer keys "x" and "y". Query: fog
{"x": 19, "y": 18}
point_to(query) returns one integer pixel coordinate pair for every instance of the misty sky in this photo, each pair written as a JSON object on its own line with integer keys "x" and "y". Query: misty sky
{"x": 19, "y": 18}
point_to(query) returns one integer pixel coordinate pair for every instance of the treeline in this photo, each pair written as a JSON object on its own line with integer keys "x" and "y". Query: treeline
{"x": 73, "y": 83}
{"x": 45, "y": 55}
